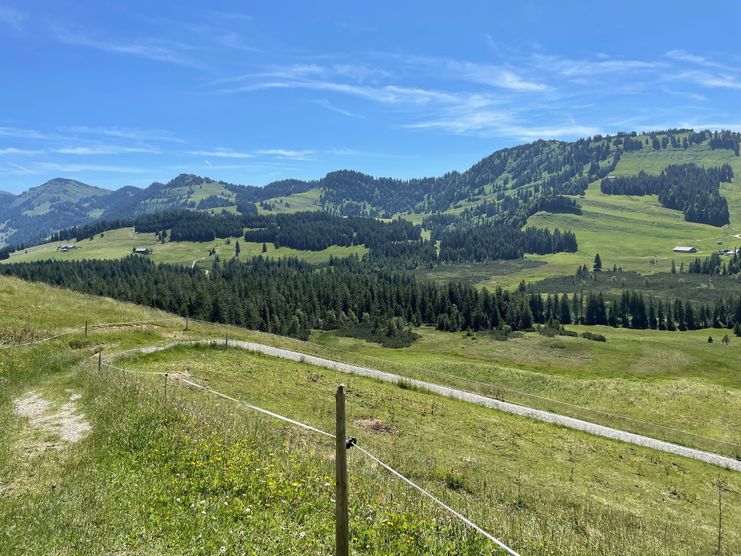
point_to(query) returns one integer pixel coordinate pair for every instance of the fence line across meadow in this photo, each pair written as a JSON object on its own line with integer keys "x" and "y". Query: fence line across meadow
{"x": 497, "y": 391}
{"x": 310, "y": 428}
{"x": 87, "y": 327}
{"x": 506, "y": 393}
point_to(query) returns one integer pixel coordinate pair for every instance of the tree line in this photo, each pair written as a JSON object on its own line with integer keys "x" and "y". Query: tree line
{"x": 189, "y": 225}
{"x": 186, "y": 225}
{"x": 291, "y": 297}
{"x": 687, "y": 187}
{"x": 714, "y": 264}
{"x": 287, "y": 296}
{"x": 489, "y": 242}
{"x": 314, "y": 231}
{"x": 632, "y": 310}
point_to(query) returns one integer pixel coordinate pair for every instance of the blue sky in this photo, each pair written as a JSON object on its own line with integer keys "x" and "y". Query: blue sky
{"x": 127, "y": 93}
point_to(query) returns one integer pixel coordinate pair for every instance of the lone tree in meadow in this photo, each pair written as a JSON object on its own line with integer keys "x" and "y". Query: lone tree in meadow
{"x": 237, "y": 249}
{"x": 597, "y": 263}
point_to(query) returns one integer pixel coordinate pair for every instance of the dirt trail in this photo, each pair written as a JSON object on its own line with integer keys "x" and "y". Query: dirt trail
{"x": 62, "y": 422}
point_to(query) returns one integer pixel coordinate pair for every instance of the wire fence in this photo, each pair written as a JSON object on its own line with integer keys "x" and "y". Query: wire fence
{"x": 310, "y": 428}
{"x": 85, "y": 328}
{"x": 486, "y": 388}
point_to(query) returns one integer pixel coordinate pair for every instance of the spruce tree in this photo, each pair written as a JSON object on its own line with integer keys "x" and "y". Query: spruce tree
{"x": 597, "y": 263}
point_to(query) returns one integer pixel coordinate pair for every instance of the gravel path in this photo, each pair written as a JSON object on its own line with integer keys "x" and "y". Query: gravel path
{"x": 540, "y": 415}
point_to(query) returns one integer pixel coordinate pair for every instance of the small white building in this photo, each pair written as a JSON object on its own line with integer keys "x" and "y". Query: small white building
{"x": 65, "y": 248}
{"x": 684, "y": 249}
{"x": 142, "y": 250}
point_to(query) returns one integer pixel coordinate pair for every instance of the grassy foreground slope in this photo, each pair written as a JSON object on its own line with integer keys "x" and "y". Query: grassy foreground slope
{"x": 116, "y": 244}
{"x": 199, "y": 474}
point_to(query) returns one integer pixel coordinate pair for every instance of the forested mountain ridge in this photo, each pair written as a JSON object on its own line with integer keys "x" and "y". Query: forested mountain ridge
{"x": 507, "y": 186}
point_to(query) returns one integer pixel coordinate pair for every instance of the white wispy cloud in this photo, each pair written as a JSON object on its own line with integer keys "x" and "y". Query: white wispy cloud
{"x": 227, "y": 16}
{"x": 329, "y": 106}
{"x": 236, "y": 41}
{"x": 567, "y": 131}
{"x": 388, "y": 94}
{"x": 20, "y": 133}
{"x": 465, "y": 123}
{"x": 444, "y": 68}
{"x": 568, "y": 67}
{"x": 150, "y": 49}
{"x": 222, "y": 153}
{"x": 12, "y": 17}
{"x": 511, "y": 124}
{"x": 356, "y": 72}
{"x": 20, "y": 152}
{"x": 226, "y": 153}
{"x": 134, "y": 134}
{"x": 18, "y": 169}
{"x": 287, "y": 153}
{"x": 79, "y": 168}
{"x": 103, "y": 149}
{"x": 710, "y": 80}
{"x": 686, "y": 94}
{"x": 684, "y": 56}
{"x": 493, "y": 76}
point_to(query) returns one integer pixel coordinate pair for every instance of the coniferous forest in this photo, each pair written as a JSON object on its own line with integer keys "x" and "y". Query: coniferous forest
{"x": 687, "y": 187}
{"x": 291, "y": 297}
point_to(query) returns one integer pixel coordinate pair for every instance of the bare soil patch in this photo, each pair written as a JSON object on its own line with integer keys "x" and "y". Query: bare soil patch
{"x": 372, "y": 424}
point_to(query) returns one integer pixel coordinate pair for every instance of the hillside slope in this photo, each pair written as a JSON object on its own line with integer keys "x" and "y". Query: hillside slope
{"x": 508, "y": 186}
{"x": 636, "y": 232}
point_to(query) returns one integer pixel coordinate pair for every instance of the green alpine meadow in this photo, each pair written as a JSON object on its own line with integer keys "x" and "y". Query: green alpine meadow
{"x": 330, "y": 278}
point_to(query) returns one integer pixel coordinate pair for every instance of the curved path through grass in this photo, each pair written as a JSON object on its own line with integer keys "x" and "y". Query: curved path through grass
{"x": 538, "y": 414}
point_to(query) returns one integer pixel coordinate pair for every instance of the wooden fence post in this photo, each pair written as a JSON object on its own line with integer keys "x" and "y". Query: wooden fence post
{"x": 165, "y": 392}
{"x": 342, "y": 534}
{"x": 86, "y": 329}
{"x": 100, "y": 360}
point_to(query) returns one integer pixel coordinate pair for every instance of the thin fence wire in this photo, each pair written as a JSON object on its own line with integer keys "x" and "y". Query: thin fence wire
{"x": 8, "y": 346}
{"x": 256, "y": 408}
{"x": 77, "y": 329}
{"x": 439, "y": 502}
{"x": 313, "y": 429}
{"x": 132, "y": 371}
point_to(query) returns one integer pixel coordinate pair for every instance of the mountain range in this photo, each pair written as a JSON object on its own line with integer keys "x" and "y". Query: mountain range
{"x": 517, "y": 180}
